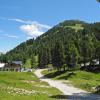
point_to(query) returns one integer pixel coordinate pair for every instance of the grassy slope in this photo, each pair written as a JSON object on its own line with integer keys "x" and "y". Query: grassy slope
{"x": 19, "y": 86}
{"x": 81, "y": 79}
{"x": 76, "y": 27}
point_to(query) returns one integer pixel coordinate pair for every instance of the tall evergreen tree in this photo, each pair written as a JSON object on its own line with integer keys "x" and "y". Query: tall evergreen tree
{"x": 43, "y": 58}
{"x": 98, "y": 51}
{"x": 58, "y": 56}
{"x": 84, "y": 47}
{"x": 72, "y": 55}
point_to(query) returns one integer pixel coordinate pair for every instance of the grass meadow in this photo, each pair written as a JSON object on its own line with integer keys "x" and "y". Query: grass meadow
{"x": 81, "y": 79}
{"x": 24, "y": 86}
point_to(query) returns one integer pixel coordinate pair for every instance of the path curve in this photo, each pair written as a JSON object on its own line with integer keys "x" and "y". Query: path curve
{"x": 72, "y": 92}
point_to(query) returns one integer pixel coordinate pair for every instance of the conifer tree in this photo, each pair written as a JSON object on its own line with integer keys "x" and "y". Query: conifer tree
{"x": 58, "y": 56}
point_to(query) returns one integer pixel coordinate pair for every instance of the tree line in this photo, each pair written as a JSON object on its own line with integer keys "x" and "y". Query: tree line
{"x": 66, "y": 46}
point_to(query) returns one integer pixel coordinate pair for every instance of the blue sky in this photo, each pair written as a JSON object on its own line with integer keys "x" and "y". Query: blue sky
{"x": 24, "y": 19}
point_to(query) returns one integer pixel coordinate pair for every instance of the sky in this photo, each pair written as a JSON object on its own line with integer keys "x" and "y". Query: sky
{"x": 21, "y": 20}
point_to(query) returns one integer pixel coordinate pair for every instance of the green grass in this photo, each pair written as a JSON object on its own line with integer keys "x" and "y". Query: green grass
{"x": 24, "y": 86}
{"x": 81, "y": 79}
{"x": 76, "y": 27}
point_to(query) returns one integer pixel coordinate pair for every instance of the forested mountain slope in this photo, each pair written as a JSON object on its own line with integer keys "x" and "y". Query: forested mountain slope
{"x": 67, "y": 44}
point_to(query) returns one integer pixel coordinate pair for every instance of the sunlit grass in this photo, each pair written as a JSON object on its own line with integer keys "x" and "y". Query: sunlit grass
{"x": 76, "y": 27}
{"x": 24, "y": 86}
{"x": 81, "y": 79}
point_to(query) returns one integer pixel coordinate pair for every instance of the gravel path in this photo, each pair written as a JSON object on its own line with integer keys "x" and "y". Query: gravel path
{"x": 71, "y": 92}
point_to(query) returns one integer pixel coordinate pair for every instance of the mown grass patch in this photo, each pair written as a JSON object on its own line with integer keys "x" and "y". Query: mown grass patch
{"x": 76, "y": 27}
{"x": 24, "y": 86}
{"x": 81, "y": 79}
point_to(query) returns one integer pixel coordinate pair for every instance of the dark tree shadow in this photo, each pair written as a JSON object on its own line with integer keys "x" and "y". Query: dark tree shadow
{"x": 53, "y": 75}
{"x": 64, "y": 97}
{"x": 67, "y": 76}
{"x": 91, "y": 68}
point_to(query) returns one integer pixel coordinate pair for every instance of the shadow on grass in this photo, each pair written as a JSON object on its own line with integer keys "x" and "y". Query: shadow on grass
{"x": 58, "y": 73}
{"x": 59, "y": 97}
{"x": 92, "y": 68}
{"x": 54, "y": 74}
{"x": 77, "y": 96}
{"x": 68, "y": 75}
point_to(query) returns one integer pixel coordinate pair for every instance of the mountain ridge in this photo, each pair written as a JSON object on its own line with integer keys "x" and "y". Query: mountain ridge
{"x": 67, "y": 33}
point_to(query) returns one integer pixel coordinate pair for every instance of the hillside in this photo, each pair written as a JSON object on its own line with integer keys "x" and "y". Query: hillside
{"x": 73, "y": 38}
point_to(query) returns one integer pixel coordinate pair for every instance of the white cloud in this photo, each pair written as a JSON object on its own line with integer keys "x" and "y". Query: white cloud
{"x": 31, "y": 28}
{"x": 17, "y": 20}
{"x": 29, "y": 37}
{"x": 22, "y": 21}
{"x": 10, "y": 36}
{"x": 35, "y": 29}
{"x": 30, "y": 22}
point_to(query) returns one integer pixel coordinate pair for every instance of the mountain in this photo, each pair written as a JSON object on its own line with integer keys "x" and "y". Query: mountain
{"x": 57, "y": 32}
{"x": 72, "y": 35}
